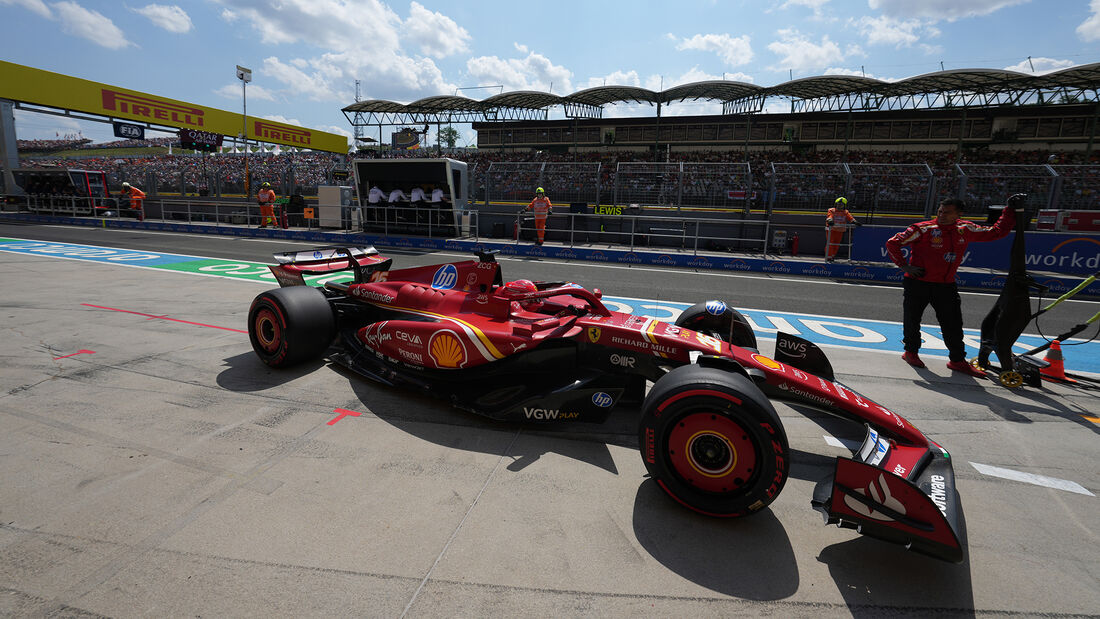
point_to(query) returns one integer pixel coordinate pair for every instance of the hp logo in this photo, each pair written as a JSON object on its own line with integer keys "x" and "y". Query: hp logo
{"x": 602, "y": 399}
{"x": 445, "y": 278}
{"x": 716, "y": 307}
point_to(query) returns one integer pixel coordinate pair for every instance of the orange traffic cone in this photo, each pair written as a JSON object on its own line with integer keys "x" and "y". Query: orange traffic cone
{"x": 1056, "y": 370}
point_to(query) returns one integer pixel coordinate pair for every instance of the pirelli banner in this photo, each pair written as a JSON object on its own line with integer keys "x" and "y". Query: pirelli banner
{"x": 38, "y": 87}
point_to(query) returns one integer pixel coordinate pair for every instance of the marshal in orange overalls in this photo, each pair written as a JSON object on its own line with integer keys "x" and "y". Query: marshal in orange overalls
{"x": 137, "y": 199}
{"x": 837, "y": 215}
{"x": 542, "y": 208}
{"x": 266, "y": 198}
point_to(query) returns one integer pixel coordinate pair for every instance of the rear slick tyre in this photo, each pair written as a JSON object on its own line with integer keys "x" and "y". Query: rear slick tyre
{"x": 290, "y": 325}
{"x": 719, "y": 319}
{"x": 713, "y": 442}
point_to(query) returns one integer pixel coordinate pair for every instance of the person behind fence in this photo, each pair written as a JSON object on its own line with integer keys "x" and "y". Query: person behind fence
{"x": 137, "y": 199}
{"x": 266, "y": 199}
{"x": 394, "y": 202}
{"x": 936, "y": 248}
{"x": 835, "y": 222}
{"x": 542, "y": 208}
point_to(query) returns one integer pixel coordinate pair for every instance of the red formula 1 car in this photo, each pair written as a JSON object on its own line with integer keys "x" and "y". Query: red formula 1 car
{"x": 552, "y": 352}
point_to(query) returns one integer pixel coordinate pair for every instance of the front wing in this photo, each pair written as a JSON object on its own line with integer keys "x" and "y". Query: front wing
{"x": 920, "y": 511}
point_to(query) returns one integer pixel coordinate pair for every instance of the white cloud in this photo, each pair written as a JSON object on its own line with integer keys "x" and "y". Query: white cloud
{"x": 798, "y": 53}
{"x": 940, "y": 10}
{"x": 92, "y": 25}
{"x": 616, "y": 78}
{"x": 534, "y": 72}
{"x": 885, "y": 30}
{"x": 170, "y": 17}
{"x": 35, "y": 6}
{"x": 233, "y": 91}
{"x": 1089, "y": 30}
{"x": 365, "y": 43}
{"x": 1042, "y": 65}
{"x": 860, "y": 73}
{"x": 815, "y": 5}
{"x": 437, "y": 34}
{"x": 734, "y": 51}
{"x": 283, "y": 119}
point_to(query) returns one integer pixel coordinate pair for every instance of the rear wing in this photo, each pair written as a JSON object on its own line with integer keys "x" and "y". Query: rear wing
{"x": 293, "y": 265}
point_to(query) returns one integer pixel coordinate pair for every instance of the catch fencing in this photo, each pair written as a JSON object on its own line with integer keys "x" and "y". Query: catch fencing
{"x": 563, "y": 182}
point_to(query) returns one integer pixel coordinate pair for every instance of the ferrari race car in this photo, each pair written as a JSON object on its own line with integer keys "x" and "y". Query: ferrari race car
{"x": 551, "y": 352}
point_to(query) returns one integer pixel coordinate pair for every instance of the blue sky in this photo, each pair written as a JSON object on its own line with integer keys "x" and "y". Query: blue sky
{"x": 307, "y": 54}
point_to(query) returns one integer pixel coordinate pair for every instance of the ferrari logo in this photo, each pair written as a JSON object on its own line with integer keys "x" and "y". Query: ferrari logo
{"x": 594, "y": 334}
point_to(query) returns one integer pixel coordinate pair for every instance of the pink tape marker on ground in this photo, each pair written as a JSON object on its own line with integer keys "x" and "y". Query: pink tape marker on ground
{"x": 79, "y": 352}
{"x": 341, "y": 413}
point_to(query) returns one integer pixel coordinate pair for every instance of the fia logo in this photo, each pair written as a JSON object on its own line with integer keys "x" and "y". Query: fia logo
{"x": 716, "y": 307}
{"x": 445, "y": 278}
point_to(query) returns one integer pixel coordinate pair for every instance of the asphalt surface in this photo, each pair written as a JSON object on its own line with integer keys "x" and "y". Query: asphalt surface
{"x": 154, "y": 467}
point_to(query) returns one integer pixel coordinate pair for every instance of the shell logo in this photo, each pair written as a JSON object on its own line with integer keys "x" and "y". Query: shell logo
{"x": 447, "y": 350}
{"x": 767, "y": 362}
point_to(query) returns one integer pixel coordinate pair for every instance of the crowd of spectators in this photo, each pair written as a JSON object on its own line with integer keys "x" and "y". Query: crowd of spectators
{"x": 69, "y": 141}
{"x": 197, "y": 173}
{"x": 881, "y": 176}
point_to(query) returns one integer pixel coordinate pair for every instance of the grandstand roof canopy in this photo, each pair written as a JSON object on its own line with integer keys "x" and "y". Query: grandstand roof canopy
{"x": 957, "y": 87}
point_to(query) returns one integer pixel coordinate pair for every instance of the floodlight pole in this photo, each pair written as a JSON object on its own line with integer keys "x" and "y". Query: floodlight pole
{"x": 245, "y": 75}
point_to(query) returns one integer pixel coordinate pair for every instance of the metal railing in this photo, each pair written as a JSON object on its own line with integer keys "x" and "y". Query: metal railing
{"x": 684, "y": 233}
{"x": 411, "y": 220}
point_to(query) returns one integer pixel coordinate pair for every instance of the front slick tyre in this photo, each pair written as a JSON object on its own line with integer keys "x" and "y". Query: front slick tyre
{"x": 713, "y": 442}
{"x": 290, "y": 325}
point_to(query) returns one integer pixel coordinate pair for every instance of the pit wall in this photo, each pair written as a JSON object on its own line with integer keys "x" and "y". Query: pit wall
{"x": 970, "y": 278}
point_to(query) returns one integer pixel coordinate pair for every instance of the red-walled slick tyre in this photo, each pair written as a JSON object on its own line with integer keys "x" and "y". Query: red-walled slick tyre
{"x": 713, "y": 442}
{"x": 290, "y": 325}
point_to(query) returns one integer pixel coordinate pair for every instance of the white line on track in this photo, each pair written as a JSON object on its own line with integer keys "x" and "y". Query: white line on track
{"x": 1031, "y": 478}
{"x": 848, "y": 444}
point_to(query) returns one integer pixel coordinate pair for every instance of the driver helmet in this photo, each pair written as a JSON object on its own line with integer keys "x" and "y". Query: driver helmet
{"x": 539, "y": 191}
{"x": 267, "y": 184}
{"x": 841, "y": 202}
{"x": 125, "y": 184}
{"x": 520, "y": 286}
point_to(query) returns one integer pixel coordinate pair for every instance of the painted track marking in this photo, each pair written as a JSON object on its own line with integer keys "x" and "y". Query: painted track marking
{"x": 1031, "y": 478}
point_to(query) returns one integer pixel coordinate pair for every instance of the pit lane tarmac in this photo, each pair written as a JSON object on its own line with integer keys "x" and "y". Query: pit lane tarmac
{"x": 153, "y": 466}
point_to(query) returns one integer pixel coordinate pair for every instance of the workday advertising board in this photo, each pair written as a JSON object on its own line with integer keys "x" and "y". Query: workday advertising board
{"x": 38, "y": 87}
{"x": 1055, "y": 252}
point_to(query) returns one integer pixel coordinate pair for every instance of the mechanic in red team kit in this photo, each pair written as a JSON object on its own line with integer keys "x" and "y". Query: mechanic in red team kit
{"x": 936, "y": 248}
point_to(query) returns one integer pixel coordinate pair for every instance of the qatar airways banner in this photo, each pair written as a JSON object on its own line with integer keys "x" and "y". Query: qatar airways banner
{"x": 1056, "y": 252}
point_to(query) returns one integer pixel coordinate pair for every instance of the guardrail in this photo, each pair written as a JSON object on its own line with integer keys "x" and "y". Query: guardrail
{"x": 694, "y": 233}
{"x": 350, "y": 219}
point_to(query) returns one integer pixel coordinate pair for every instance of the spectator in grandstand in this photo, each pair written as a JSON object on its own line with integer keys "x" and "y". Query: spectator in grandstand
{"x": 137, "y": 199}
{"x": 936, "y": 248}
{"x": 837, "y": 220}
{"x": 542, "y": 208}
{"x": 266, "y": 199}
